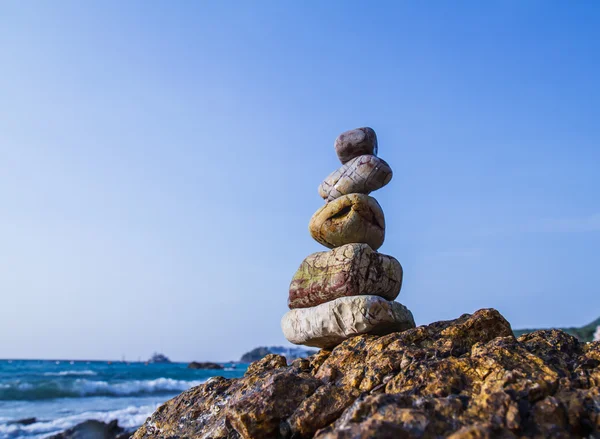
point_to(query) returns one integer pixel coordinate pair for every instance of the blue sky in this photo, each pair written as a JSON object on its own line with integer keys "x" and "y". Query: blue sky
{"x": 159, "y": 164}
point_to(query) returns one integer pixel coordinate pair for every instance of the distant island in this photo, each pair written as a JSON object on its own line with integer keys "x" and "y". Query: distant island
{"x": 584, "y": 333}
{"x": 289, "y": 353}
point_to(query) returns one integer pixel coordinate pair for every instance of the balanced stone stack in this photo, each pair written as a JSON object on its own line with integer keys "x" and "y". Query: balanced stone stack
{"x": 349, "y": 290}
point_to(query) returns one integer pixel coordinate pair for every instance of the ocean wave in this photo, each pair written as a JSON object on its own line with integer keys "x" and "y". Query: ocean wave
{"x": 71, "y": 373}
{"x": 129, "y": 417}
{"x": 51, "y": 389}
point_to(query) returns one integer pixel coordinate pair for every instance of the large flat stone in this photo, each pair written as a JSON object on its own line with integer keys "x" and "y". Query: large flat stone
{"x": 328, "y": 324}
{"x": 354, "y": 218}
{"x": 349, "y": 270}
{"x": 356, "y": 142}
{"x": 361, "y": 175}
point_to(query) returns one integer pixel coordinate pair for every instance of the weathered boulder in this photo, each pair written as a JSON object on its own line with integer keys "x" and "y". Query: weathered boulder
{"x": 361, "y": 175}
{"x": 467, "y": 378}
{"x": 349, "y": 270}
{"x": 330, "y": 323}
{"x": 354, "y": 218}
{"x": 353, "y": 143}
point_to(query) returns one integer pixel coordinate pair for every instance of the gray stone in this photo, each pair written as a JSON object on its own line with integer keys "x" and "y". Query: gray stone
{"x": 353, "y": 143}
{"x": 327, "y": 325}
{"x": 361, "y": 175}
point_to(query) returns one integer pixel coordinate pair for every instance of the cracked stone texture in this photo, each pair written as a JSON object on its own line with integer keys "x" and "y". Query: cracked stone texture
{"x": 467, "y": 378}
{"x": 361, "y": 175}
{"x": 330, "y": 323}
{"x": 353, "y": 143}
{"x": 349, "y": 270}
{"x": 354, "y": 218}
{"x": 268, "y": 362}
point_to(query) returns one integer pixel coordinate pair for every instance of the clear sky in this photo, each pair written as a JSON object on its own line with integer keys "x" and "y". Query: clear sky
{"x": 159, "y": 163}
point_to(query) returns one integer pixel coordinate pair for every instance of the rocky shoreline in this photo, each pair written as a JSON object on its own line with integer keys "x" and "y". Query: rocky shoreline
{"x": 463, "y": 378}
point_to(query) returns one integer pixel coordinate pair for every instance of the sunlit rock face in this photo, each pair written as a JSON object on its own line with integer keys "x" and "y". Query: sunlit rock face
{"x": 461, "y": 379}
{"x": 597, "y": 334}
{"x": 354, "y": 143}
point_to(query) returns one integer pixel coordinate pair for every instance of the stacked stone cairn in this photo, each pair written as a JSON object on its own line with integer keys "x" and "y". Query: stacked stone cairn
{"x": 349, "y": 290}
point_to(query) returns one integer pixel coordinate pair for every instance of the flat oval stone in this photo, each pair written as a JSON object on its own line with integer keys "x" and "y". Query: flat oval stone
{"x": 349, "y": 270}
{"x": 361, "y": 175}
{"x": 329, "y": 324}
{"x": 354, "y": 143}
{"x": 354, "y": 218}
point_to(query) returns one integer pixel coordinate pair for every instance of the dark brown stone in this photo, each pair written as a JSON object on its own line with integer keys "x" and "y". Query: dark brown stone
{"x": 258, "y": 412}
{"x": 205, "y": 365}
{"x": 354, "y": 143}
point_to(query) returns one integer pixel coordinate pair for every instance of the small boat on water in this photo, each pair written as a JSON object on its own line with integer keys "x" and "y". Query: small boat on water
{"x": 159, "y": 358}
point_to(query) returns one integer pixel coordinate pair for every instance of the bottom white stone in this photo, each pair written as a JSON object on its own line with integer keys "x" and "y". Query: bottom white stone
{"x": 330, "y": 323}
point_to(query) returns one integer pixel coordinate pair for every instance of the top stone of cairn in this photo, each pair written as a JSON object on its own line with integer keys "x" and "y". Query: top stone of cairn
{"x": 354, "y": 143}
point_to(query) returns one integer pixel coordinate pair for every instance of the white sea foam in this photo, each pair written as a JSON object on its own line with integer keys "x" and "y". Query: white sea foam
{"x": 82, "y": 387}
{"x": 129, "y": 417}
{"x": 87, "y": 387}
{"x": 71, "y": 372}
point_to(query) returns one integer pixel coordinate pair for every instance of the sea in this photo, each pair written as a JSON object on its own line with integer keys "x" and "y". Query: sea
{"x": 61, "y": 394}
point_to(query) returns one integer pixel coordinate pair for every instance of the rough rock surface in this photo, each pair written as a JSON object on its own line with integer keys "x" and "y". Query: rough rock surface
{"x": 353, "y": 143}
{"x": 289, "y": 353}
{"x": 349, "y": 270}
{"x": 361, "y": 175}
{"x": 582, "y": 333}
{"x": 330, "y": 323}
{"x": 354, "y": 218}
{"x": 464, "y": 378}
